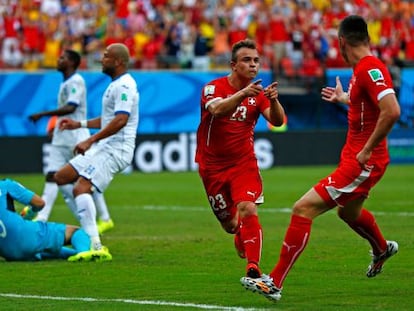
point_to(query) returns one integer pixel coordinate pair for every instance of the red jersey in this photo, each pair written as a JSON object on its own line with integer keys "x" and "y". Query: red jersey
{"x": 227, "y": 140}
{"x": 370, "y": 82}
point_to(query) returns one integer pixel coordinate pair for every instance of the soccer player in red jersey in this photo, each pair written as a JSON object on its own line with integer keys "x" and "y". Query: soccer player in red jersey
{"x": 230, "y": 108}
{"x": 373, "y": 110}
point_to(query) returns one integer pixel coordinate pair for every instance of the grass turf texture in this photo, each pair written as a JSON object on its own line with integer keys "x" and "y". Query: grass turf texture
{"x": 170, "y": 252}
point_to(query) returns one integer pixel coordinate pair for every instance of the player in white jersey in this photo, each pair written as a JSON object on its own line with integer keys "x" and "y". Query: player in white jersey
{"x": 108, "y": 151}
{"x": 71, "y": 103}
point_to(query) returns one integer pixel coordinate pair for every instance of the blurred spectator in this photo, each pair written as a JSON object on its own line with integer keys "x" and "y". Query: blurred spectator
{"x": 334, "y": 58}
{"x": 240, "y": 18}
{"x": 221, "y": 53}
{"x": 12, "y": 57}
{"x": 311, "y": 72}
{"x": 201, "y": 59}
{"x": 12, "y": 26}
{"x": 278, "y": 36}
{"x": 152, "y": 48}
{"x": 295, "y": 46}
{"x": 51, "y": 8}
{"x": 33, "y": 38}
{"x": 169, "y": 56}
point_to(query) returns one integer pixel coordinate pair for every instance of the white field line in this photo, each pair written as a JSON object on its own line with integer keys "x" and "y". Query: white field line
{"x": 128, "y": 301}
{"x": 261, "y": 210}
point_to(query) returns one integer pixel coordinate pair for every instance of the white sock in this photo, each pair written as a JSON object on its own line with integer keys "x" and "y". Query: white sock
{"x": 87, "y": 218}
{"x": 101, "y": 207}
{"x": 67, "y": 192}
{"x": 49, "y": 195}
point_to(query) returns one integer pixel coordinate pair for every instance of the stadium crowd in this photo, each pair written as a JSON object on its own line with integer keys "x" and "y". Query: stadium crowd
{"x": 295, "y": 37}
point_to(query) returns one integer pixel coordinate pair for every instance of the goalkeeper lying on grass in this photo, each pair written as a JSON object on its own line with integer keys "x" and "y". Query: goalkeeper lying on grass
{"x": 24, "y": 240}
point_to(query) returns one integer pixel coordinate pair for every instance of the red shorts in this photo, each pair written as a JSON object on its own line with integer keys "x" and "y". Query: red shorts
{"x": 348, "y": 183}
{"x": 226, "y": 188}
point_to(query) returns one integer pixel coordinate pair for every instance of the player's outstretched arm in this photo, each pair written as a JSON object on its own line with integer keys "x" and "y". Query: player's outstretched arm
{"x": 64, "y": 110}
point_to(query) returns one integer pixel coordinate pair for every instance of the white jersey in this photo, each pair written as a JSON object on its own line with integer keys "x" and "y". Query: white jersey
{"x": 121, "y": 96}
{"x": 72, "y": 91}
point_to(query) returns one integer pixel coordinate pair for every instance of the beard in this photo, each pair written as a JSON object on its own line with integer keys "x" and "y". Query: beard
{"x": 110, "y": 71}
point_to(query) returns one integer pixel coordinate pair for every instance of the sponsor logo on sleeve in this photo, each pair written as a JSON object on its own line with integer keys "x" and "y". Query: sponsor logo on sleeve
{"x": 209, "y": 90}
{"x": 375, "y": 75}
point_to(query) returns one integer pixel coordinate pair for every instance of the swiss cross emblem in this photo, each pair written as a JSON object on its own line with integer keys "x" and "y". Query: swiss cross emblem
{"x": 252, "y": 101}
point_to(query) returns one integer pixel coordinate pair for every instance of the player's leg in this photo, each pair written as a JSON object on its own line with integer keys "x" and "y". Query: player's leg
{"x": 54, "y": 237}
{"x": 49, "y": 195}
{"x": 296, "y": 238}
{"x": 67, "y": 193}
{"x": 56, "y": 157}
{"x": 297, "y": 234}
{"x": 363, "y": 221}
{"x": 247, "y": 192}
{"x": 87, "y": 211}
{"x": 364, "y": 224}
{"x": 96, "y": 170}
{"x": 70, "y": 235}
{"x": 65, "y": 177}
{"x": 251, "y": 237}
{"x": 104, "y": 221}
{"x": 222, "y": 205}
{"x": 78, "y": 238}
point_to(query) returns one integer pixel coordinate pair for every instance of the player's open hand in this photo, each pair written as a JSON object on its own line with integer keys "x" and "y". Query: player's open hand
{"x": 335, "y": 94}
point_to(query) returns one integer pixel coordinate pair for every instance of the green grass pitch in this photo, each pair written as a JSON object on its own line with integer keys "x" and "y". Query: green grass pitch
{"x": 171, "y": 254}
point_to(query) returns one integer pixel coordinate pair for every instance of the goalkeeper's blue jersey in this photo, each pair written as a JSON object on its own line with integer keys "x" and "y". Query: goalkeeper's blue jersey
{"x": 22, "y": 239}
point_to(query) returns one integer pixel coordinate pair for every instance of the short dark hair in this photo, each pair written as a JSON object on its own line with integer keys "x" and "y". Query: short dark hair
{"x": 74, "y": 57}
{"x": 354, "y": 29}
{"x": 246, "y": 43}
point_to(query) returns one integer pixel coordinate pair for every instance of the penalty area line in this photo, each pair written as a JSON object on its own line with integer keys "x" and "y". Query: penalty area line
{"x": 128, "y": 301}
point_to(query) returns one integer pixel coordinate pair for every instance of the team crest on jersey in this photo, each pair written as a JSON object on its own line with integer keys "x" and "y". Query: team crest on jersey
{"x": 209, "y": 90}
{"x": 73, "y": 91}
{"x": 251, "y": 101}
{"x": 376, "y": 75}
{"x": 124, "y": 97}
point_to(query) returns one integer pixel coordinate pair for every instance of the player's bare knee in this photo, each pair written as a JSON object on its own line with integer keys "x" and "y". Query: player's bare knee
{"x": 246, "y": 209}
{"x": 59, "y": 178}
{"x": 82, "y": 186}
{"x": 302, "y": 208}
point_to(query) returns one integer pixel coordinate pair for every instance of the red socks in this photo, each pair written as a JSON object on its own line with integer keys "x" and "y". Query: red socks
{"x": 367, "y": 228}
{"x": 296, "y": 238}
{"x": 251, "y": 236}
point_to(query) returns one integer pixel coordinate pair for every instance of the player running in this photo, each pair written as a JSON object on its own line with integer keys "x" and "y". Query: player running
{"x": 230, "y": 108}
{"x": 373, "y": 110}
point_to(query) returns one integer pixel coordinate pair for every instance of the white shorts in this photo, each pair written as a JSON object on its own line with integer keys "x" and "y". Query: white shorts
{"x": 55, "y": 157}
{"x": 99, "y": 165}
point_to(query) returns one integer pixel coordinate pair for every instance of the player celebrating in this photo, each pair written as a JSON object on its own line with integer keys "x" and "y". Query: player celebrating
{"x": 108, "y": 151}
{"x": 373, "y": 110}
{"x": 230, "y": 108}
{"x": 25, "y": 240}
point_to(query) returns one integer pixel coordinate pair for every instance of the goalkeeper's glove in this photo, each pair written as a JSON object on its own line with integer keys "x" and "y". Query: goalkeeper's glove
{"x": 28, "y": 213}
